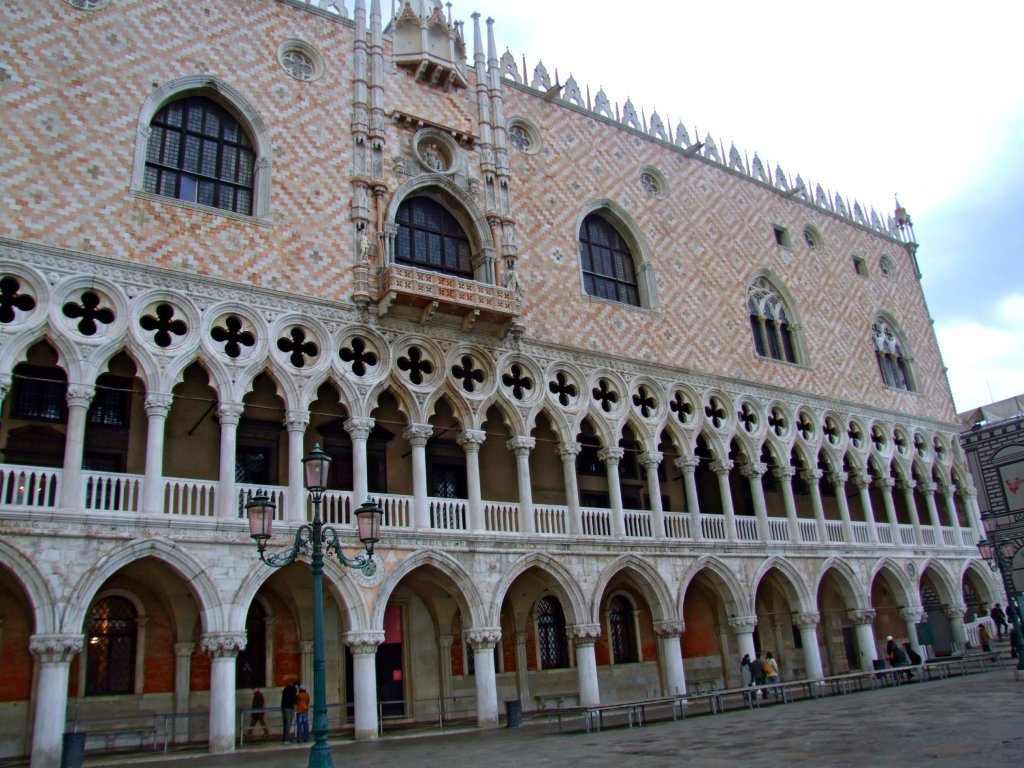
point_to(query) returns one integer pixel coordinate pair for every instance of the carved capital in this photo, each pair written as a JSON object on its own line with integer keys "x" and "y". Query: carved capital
{"x": 908, "y": 485}
{"x": 784, "y": 473}
{"x": 806, "y": 619}
{"x": 363, "y": 643}
{"x": 812, "y": 476}
{"x": 471, "y": 439}
{"x": 838, "y": 479}
{"x": 184, "y": 650}
{"x": 55, "y": 648}
{"x": 860, "y": 481}
{"x": 651, "y": 459}
{"x": 306, "y": 647}
{"x": 521, "y": 446}
{"x": 928, "y": 489}
{"x": 912, "y": 613}
{"x": 418, "y": 434}
{"x": 296, "y": 421}
{"x": 885, "y": 483}
{"x": 359, "y": 427}
{"x": 955, "y": 611}
{"x": 742, "y": 624}
{"x": 583, "y": 634}
{"x": 722, "y": 466}
{"x": 754, "y": 470}
{"x": 861, "y": 615}
{"x": 969, "y": 491}
{"x": 569, "y": 451}
{"x": 80, "y": 395}
{"x": 229, "y": 413}
{"x": 445, "y": 642}
{"x": 687, "y": 464}
{"x": 611, "y": 456}
{"x": 669, "y": 628}
{"x": 223, "y": 644}
{"x": 480, "y": 638}
{"x": 158, "y": 404}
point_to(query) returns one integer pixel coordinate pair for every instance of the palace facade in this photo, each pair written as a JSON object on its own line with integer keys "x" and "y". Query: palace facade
{"x": 634, "y": 405}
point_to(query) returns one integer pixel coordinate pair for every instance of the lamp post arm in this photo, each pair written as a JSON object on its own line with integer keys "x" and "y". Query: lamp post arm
{"x": 362, "y": 562}
{"x": 301, "y": 546}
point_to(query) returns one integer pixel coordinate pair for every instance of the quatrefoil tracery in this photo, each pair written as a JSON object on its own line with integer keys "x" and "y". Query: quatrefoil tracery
{"x": 606, "y": 395}
{"x": 517, "y": 381}
{"x": 467, "y": 374}
{"x": 681, "y": 407}
{"x": 564, "y": 389}
{"x": 12, "y": 299}
{"x": 232, "y": 336}
{"x": 416, "y": 365}
{"x": 297, "y": 348}
{"x": 359, "y": 355}
{"x": 88, "y": 313}
{"x": 715, "y": 412}
{"x": 164, "y": 325}
{"x": 644, "y": 401}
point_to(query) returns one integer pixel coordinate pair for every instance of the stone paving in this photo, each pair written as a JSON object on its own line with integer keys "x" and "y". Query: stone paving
{"x": 958, "y": 722}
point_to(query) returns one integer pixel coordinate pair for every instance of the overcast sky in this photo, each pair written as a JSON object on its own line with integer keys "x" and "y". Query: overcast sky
{"x": 871, "y": 99}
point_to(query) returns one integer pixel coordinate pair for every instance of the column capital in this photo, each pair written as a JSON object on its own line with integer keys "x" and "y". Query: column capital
{"x": 907, "y": 485}
{"x": 806, "y": 619}
{"x": 359, "y": 427}
{"x": 722, "y": 466}
{"x": 363, "y": 643}
{"x": 418, "y": 434}
{"x": 753, "y": 470}
{"x": 182, "y": 650}
{"x": 969, "y": 491}
{"x": 947, "y": 489}
{"x": 223, "y": 644}
{"x": 229, "y": 413}
{"x": 861, "y": 615}
{"x": 812, "y": 475}
{"x": 928, "y": 489}
{"x": 742, "y": 623}
{"x": 521, "y": 445}
{"x": 471, "y": 439}
{"x": 55, "y": 648}
{"x": 296, "y": 420}
{"x": 912, "y": 613}
{"x": 687, "y": 464}
{"x": 583, "y": 634}
{"x": 522, "y": 637}
{"x": 158, "y": 404}
{"x": 611, "y": 456}
{"x": 649, "y": 459}
{"x": 480, "y": 638}
{"x": 80, "y": 395}
{"x": 669, "y": 628}
{"x": 569, "y": 451}
{"x": 784, "y": 473}
{"x": 838, "y": 478}
{"x": 305, "y": 646}
{"x": 954, "y": 611}
{"x": 885, "y": 483}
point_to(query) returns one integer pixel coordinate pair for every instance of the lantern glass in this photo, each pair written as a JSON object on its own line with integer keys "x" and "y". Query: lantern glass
{"x": 261, "y": 516}
{"x": 985, "y": 547}
{"x": 988, "y": 522}
{"x": 317, "y": 467}
{"x": 369, "y": 516}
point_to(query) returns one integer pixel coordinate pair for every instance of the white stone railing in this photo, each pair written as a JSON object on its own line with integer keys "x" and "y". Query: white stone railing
{"x": 637, "y": 523}
{"x": 113, "y": 492}
{"x": 502, "y": 517}
{"x": 778, "y": 529}
{"x": 746, "y": 528}
{"x": 548, "y": 519}
{"x": 596, "y": 522}
{"x": 677, "y": 525}
{"x": 808, "y": 530}
{"x": 834, "y": 529}
{"x": 907, "y": 535}
{"x": 29, "y": 486}
{"x": 190, "y": 498}
{"x": 860, "y": 533}
{"x": 884, "y": 533}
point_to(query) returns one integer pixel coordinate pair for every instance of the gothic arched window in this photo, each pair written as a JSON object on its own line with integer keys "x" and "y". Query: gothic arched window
{"x": 112, "y": 632}
{"x": 199, "y": 153}
{"x": 892, "y": 363}
{"x": 251, "y": 665}
{"x": 770, "y": 324}
{"x": 622, "y": 631}
{"x": 431, "y": 238}
{"x": 554, "y": 650}
{"x": 609, "y": 271}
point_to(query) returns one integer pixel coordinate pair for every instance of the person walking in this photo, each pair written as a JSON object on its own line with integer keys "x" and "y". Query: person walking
{"x": 914, "y": 656}
{"x": 771, "y": 672}
{"x": 257, "y": 716}
{"x": 748, "y": 677}
{"x": 999, "y": 617}
{"x": 289, "y": 695}
{"x": 757, "y": 671}
{"x": 302, "y": 715}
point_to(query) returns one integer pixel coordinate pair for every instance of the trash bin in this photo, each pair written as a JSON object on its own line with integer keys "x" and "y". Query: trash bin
{"x": 513, "y": 713}
{"x": 73, "y": 752}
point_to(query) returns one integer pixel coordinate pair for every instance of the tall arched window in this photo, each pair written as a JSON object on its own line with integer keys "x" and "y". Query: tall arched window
{"x": 622, "y": 630}
{"x": 554, "y": 650}
{"x": 251, "y": 665}
{"x": 110, "y": 658}
{"x": 892, "y": 364}
{"x": 198, "y": 152}
{"x": 431, "y": 238}
{"x": 609, "y": 271}
{"x": 770, "y": 323}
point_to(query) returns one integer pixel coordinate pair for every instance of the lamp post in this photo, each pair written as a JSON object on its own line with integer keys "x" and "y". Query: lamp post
{"x": 314, "y": 539}
{"x": 1005, "y": 538}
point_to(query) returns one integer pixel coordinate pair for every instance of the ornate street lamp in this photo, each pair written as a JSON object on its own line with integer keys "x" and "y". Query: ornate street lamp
{"x": 1005, "y": 538}
{"x": 314, "y": 539}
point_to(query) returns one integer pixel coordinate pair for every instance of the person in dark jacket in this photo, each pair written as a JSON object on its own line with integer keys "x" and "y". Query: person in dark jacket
{"x": 999, "y": 617}
{"x": 289, "y": 696}
{"x": 757, "y": 669}
{"x": 914, "y": 656}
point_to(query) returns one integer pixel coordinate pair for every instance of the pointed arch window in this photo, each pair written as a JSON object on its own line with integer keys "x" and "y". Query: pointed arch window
{"x": 429, "y": 237}
{"x": 774, "y": 334}
{"x": 893, "y": 364}
{"x": 609, "y": 270}
{"x": 551, "y": 639}
{"x": 622, "y": 631}
{"x": 198, "y": 152}
{"x": 112, "y": 632}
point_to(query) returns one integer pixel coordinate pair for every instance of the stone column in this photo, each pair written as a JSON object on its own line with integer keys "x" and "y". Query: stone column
{"x": 838, "y": 480}
{"x": 947, "y": 497}
{"x": 912, "y": 614}
{"x": 813, "y": 479}
{"x": 955, "y": 614}
{"x": 650, "y": 460}
{"x": 157, "y": 407}
{"x": 444, "y": 648}
{"x": 306, "y": 664}
{"x": 417, "y": 435}
{"x": 53, "y": 654}
{"x": 482, "y": 640}
{"x": 363, "y": 646}
{"x": 807, "y": 623}
{"x": 671, "y": 654}
{"x": 295, "y": 422}
{"x": 863, "y": 627}
{"x": 885, "y": 485}
{"x": 754, "y": 472}
{"x": 359, "y": 428}
{"x": 582, "y": 637}
{"x": 928, "y": 489}
{"x": 863, "y": 482}
{"x": 743, "y": 628}
{"x": 970, "y": 494}
{"x": 721, "y": 468}
{"x": 522, "y": 446}
{"x": 908, "y": 497}
{"x": 79, "y": 396}
{"x": 522, "y": 668}
{"x": 688, "y": 466}
{"x": 229, "y": 414}
{"x": 568, "y": 453}
{"x": 785, "y": 477}
{"x": 223, "y": 648}
{"x": 470, "y": 441}
{"x": 182, "y": 689}
{"x": 611, "y": 458}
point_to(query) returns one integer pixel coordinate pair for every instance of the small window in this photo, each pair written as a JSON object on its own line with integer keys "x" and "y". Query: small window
{"x": 892, "y": 364}
{"x": 622, "y": 629}
{"x": 111, "y": 404}
{"x": 812, "y": 238}
{"x": 781, "y": 236}
{"x": 769, "y": 323}
{"x": 554, "y": 647}
{"x": 111, "y": 630}
{"x": 859, "y": 266}
{"x": 39, "y": 394}
{"x": 523, "y": 136}
{"x": 885, "y": 266}
{"x": 609, "y": 271}
{"x": 431, "y": 238}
